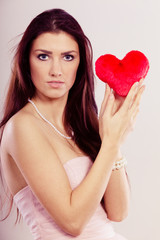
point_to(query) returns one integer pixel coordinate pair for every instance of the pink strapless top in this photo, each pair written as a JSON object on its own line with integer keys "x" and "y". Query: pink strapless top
{"x": 43, "y": 227}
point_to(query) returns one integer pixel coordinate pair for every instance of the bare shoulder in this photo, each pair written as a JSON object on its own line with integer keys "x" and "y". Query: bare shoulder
{"x": 17, "y": 130}
{"x": 21, "y": 120}
{"x": 19, "y": 126}
{"x": 26, "y": 149}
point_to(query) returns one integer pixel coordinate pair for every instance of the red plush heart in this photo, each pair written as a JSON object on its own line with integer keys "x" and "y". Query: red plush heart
{"x": 122, "y": 74}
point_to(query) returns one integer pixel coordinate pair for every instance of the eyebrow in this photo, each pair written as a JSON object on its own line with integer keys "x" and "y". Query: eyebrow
{"x": 49, "y": 52}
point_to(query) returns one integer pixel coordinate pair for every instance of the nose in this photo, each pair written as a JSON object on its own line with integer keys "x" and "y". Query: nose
{"x": 55, "y": 68}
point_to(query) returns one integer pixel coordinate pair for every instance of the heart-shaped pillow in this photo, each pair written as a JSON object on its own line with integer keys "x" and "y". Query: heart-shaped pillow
{"x": 122, "y": 74}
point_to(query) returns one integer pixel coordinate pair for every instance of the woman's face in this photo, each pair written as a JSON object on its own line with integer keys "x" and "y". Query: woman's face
{"x": 54, "y": 60}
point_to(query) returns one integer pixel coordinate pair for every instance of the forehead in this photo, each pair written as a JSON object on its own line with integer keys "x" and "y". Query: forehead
{"x": 60, "y": 41}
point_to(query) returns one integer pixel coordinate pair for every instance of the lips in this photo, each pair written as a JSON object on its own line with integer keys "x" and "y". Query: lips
{"x": 55, "y": 84}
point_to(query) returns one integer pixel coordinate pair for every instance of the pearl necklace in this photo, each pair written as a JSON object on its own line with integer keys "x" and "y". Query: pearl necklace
{"x": 61, "y": 134}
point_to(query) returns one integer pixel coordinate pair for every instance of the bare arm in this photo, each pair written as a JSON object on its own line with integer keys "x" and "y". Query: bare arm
{"x": 41, "y": 167}
{"x": 117, "y": 195}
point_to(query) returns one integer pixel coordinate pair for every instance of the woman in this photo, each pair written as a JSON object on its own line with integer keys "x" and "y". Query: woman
{"x": 62, "y": 165}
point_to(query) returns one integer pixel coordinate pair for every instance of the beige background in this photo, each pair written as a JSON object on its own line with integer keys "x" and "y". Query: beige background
{"x": 114, "y": 27}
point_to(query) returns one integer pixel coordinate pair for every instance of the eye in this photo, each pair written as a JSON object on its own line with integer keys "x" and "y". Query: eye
{"x": 68, "y": 57}
{"x": 43, "y": 57}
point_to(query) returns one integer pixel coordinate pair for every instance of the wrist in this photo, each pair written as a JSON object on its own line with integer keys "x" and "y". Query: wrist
{"x": 113, "y": 149}
{"x": 109, "y": 149}
{"x": 119, "y": 164}
{"x": 111, "y": 145}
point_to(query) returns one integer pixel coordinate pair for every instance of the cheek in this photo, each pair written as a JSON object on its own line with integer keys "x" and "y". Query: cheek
{"x": 37, "y": 72}
{"x": 33, "y": 70}
{"x": 72, "y": 72}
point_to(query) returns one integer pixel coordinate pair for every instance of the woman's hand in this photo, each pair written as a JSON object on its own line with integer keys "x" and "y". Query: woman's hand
{"x": 118, "y": 114}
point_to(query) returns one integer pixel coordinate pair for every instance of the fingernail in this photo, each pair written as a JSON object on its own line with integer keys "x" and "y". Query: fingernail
{"x": 111, "y": 95}
{"x": 143, "y": 87}
{"x": 136, "y": 84}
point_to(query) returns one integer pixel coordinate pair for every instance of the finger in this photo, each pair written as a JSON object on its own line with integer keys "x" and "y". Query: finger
{"x": 141, "y": 81}
{"x": 135, "y": 115}
{"x": 133, "y": 119}
{"x": 110, "y": 104}
{"x": 139, "y": 86}
{"x": 106, "y": 95}
{"x": 136, "y": 102}
{"x": 129, "y": 99}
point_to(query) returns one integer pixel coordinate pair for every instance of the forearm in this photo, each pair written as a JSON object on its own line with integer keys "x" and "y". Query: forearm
{"x": 86, "y": 197}
{"x": 117, "y": 195}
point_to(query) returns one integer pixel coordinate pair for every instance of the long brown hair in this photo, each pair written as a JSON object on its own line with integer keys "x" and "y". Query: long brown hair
{"x": 81, "y": 110}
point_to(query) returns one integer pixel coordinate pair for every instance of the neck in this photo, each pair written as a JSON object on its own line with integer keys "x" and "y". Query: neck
{"x": 52, "y": 109}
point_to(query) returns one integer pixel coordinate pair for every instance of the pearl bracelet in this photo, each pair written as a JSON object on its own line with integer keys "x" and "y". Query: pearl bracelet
{"x": 119, "y": 164}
